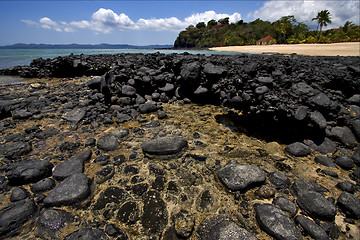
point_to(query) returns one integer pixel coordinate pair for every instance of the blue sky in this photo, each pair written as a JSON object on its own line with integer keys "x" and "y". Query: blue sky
{"x": 145, "y": 22}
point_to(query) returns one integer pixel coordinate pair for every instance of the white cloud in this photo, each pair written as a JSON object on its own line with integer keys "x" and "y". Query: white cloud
{"x": 304, "y": 11}
{"x": 106, "y": 20}
{"x": 47, "y": 23}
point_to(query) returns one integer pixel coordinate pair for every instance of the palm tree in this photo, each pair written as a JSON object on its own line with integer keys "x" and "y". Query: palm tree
{"x": 323, "y": 18}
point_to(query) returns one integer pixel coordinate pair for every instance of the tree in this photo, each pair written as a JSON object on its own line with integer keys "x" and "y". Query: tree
{"x": 284, "y": 25}
{"x": 224, "y": 21}
{"x": 211, "y": 23}
{"x": 200, "y": 25}
{"x": 323, "y": 18}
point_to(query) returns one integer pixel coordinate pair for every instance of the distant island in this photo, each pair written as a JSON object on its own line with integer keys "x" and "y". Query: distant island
{"x": 81, "y": 46}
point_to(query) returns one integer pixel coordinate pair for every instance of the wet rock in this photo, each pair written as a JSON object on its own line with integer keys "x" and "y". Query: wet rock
{"x": 328, "y": 172}
{"x": 43, "y": 185}
{"x": 222, "y": 227}
{"x": 346, "y": 186}
{"x": 161, "y": 114}
{"x": 21, "y": 114}
{"x": 322, "y": 100}
{"x": 311, "y": 228}
{"x": 344, "y": 162}
{"x": 52, "y": 221}
{"x": 318, "y": 120}
{"x": 139, "y": 189}
{"x": 275, "y": 222}
{"x": 279, "y": 180}
{"x": 261, "y": 90}
{"x": 18, "y": 194}
{"x": 154, "y": 217}
{"x": 343, "y": 135}
{"x": 47, "y": 133}
{"x": 316, "y": 205}
{"x": 159, "y": 183}
{"x": 120, "y": 133}
{"x": 127, "y": 90}
{"x": 326, "y": 161}
{"x": 286, "y": 205}
{"x": 298, "y": 149}
{"x": 111, "y": 195}
{"x": 29, "y": 171}
{"x": 14, "y": 150}
{"x": 129, "y": 213}
{"x": 206, "y": 202}
{"x": 301, "y": 186}
{"x": 238, "y": 177}
{"x": 212, "y": 71}
{"x": 265, "y": 191}
{"x": 184, "y": 223}
{"x": 324, "y": 147}
{"x": 349, "y": 204}
{"x": 164, "y": 145}
{"x": 121, "y": 117}
{"x": 108, "y": 143}
{"x": 15, "y": 215}
{"x": 301, "y": 113}
{"x": 148, "y": 107}
{"x": 190, "y": 72}
{"x": 88, "y": 234}
{"x": 71, "y": 190}
{"x": 72, "y": 166}
{"x": 75, "y": 115}
{"x": 104, "y": 174}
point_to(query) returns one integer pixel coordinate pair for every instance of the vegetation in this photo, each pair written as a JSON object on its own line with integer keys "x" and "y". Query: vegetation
{"x": 285, "y": 30}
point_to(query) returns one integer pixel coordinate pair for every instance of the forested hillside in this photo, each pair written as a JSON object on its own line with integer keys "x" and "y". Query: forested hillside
{"x": 285, "y": 30}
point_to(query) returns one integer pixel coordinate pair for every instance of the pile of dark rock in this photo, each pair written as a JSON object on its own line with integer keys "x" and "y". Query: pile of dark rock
{"x": 284, "y": 98}
{"x": 308, "y": 103}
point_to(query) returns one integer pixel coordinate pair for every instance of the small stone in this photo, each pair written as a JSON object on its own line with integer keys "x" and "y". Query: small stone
{"x": 279, "y": 180}
{"x": 164, "y": 145}
{"x": 311, "y": 228}
{"x": 18, "y": 194}
{"x": 15, "y": 215}
{"x": 13, "y": 150}
{"x": 221, "y": 227}
{"x": 75, "y": 115}
{"x": 261, "y": 90}
{"x": 120, "y": 133}
{"x": 43, "y": 185}
{"x": 286, "y": 205}
{"x": 316, "y": 205}
{"x": 148, "y": 107}
{"x": 349, "y": 204}
{"x": 52, "y": 221}
{"x": 238, "y": 177}
{"x": 72, "y": 166}
{"x": 111, "y": 195}
{"x": 266, "y": 191}
{"x": 104, "y": 174}
{"x": 326, "y": 161}
{"x": 275, "y": 222}
{"x": 343, "y": 135}
{"x": 108, "y": 143}
{"x": 29, "y": 171}
{"x": 344, "y": 162}
{"x": 298, "y": 149}
{"x": 71, "y": 190}
{"x": 129, "y": 213}
{"x": 318, "y": 119}
{"x": 346, "y": 186}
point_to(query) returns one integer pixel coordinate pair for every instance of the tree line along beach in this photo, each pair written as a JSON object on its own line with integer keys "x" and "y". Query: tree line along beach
{"x": 174, "y": 146}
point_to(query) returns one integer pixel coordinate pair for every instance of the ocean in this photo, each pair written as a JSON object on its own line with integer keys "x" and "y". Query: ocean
{"x": 15, "y": 57}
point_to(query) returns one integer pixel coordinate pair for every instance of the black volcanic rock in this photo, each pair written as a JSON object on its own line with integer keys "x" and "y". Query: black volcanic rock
{"x": 14, "y": 150}
{"x": 237, "y": 177}
{"x": 275, "y": 222}
{"x": 15, "y": 215}
{"x": 164, "y": 145}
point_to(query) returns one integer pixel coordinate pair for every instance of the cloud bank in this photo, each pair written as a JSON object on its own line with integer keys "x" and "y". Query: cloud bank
{"x": 305, "y": 10}
{"x": 106, "y": 21}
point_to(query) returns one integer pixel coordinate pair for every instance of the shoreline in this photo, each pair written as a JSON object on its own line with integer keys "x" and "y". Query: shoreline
{"x": 331, "y": 49}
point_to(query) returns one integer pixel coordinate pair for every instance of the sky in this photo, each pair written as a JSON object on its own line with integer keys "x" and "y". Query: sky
{"x": 147, "y": 22}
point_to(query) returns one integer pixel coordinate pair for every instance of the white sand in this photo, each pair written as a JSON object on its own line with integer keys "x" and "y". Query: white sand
{"x": 332, "y": 49}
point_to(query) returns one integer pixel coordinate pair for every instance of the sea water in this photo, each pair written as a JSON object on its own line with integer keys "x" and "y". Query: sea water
{"x": 15, "y": 57}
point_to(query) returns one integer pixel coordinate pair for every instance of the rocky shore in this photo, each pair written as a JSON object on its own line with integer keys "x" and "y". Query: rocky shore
{"x": 134, "y": 146}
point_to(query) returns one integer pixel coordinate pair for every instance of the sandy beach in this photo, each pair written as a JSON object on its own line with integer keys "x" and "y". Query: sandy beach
{"x": 333, "y": 49}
